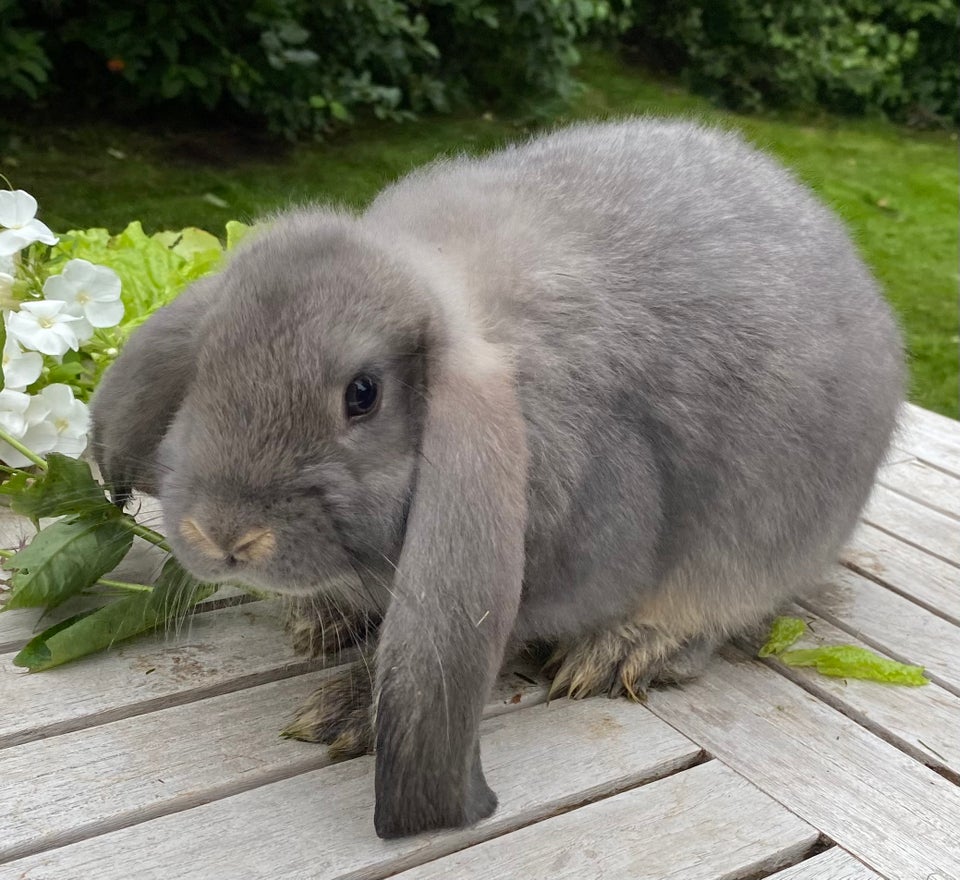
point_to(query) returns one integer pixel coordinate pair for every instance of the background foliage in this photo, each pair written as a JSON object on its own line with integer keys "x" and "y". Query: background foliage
{"x": 899, "y": 57}
{"x": 301, "y": 67}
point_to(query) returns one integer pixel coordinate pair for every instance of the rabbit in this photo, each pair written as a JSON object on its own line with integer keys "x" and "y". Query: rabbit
{"x": 621, "y": 389}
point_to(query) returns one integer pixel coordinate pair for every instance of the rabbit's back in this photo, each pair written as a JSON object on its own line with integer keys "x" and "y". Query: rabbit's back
{"x": 709, "y": 374}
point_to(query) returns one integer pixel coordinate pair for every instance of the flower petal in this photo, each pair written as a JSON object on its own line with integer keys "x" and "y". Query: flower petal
{"x": 51, "y": 309}
{"x": 82, "y": 330}
{"x": 12, "y": 241}
{"x": 22, "y": 370}
{"x": 41, "y": 437}
{"x": 61, "y": 288}
{"x": 38, "y": 411}
{"x": 40, "y": 232}
{"x": 104, "y": 314}
{"x": 16, "y": 208}
{"x": 72, "y": 446}
{"x": 13, "y": 401}
{"x": 59, "y": 398}
{"x": 47, "y": 340}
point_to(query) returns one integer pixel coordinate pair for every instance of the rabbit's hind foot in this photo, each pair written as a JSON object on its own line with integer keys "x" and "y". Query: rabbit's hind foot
{"x": 625, "y": 662}
{"x": 339, "y": 714}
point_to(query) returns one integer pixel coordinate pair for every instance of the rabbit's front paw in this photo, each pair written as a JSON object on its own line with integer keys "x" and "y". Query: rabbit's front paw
{"x": 339, "y": 714}
{"x": 321, "y": 627}
{"x": 625, "y": 661}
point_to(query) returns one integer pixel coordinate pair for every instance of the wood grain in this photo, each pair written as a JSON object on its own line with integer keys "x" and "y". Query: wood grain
{"x": 922, "y": 721}
{"x": 920, "y": 577}
{"x": 215, "y": 652}
{"x": 834, "y": 864}
{"x": 885, "y": 808}
{"x": 914, "y": 523}
{"x": 90, "y": 781}
{"x": 892, "y": 624}
{"x": 705, "y": 823}
{"x": 319, "y": 825}
{"x": 931, "y": 437}
{"x": 928, "y": 485}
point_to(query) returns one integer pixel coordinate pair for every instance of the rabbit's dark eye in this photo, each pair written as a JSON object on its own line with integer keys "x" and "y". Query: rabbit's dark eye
{"x": 362, "y": 396}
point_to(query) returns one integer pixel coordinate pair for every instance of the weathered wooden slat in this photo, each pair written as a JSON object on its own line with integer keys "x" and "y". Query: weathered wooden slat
{"x": 917, "y": 575}
{"x": 214, "y": 652}
{"x": 892, "y": 624}
{"x": 885, "y": 808}
{"x": 914, "y": 523}
{"x": 917, "y": 480}
{"x": 319, "y": 825}
{"x": 706, "y": 823}
{"x": 931, "y": 437}
{"x": 834, "y": 864}
{"x": 90, "y": 781}
{"x": 922, "y": 721}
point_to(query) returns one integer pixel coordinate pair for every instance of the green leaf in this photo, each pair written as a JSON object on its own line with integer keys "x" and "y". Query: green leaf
{"x": 849, "y": 661}
{"x": 65, "y": 558}
{"x": 200, "y": 251}
{"x": 784, "y": 632}
{"x": 236, "y": 232}
{"x": 171, "y": 598}
{"x": 35, "y": 653}
{"x": 66, "y": 487}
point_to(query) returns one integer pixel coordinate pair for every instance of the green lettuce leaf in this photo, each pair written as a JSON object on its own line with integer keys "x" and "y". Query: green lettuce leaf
{"x": 784, "y": 632}
{"x": 849, "y": 661}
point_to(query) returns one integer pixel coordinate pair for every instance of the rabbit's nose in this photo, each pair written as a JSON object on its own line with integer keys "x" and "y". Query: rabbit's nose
{"x": 254, "y": 545}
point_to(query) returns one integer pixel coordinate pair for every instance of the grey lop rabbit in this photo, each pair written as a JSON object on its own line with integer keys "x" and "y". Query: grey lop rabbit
{"x": 622, "y": 389}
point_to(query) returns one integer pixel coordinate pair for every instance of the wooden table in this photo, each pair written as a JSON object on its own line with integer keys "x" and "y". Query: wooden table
{"x": 161, "y": 759}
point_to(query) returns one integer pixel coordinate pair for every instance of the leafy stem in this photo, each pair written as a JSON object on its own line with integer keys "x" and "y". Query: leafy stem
{"x": 146, "y": 533}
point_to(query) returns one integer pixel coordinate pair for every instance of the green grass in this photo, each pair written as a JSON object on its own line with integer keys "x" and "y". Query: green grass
{"x": 896, "y": 189}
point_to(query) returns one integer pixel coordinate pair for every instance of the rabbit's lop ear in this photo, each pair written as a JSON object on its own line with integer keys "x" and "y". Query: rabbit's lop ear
{"x": 456, "y": 596}
{"x": 142, "y": 391}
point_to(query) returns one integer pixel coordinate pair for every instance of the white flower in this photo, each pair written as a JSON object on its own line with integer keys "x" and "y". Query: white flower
{"x": 6, "y": 285}
{"x": 13, "y": 408}
{"x": 20, "y": 368}
{"x": 17, "y": 419}
{"x": 18, "y": 211}
{"x": 44, "y": 327}
{"x": 92, "y": 293}
{"x": 57, "y": 422}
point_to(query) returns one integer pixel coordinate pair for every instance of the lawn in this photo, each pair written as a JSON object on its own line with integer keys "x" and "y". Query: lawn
{"x": 897, "y": 189}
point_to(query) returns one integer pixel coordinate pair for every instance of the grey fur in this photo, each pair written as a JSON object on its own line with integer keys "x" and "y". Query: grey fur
{"x": 637, "y": 384}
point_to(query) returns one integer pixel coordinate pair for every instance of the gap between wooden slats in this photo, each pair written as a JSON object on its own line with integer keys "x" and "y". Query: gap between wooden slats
{"x": 888, "y": 810}
{"x": 540, "y": 761}
{"x": 216, "y": 652}
{"x": 931, "y": 437}
{"x": 921, "y": 721}
{"x": 91, "y": 781}
{"x": 922, "y": 579}
{"x": 704, "y": 824}
{"x": 834, "y": 864}
{"x": 891, "y": 624}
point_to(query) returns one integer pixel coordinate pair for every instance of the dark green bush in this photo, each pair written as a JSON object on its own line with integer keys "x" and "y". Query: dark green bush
{"x": 299, "y": 65}
{"x": 897, "y": 57}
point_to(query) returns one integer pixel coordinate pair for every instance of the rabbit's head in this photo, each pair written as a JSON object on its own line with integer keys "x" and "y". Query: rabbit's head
{"x": 290, "y": 462}
{"x": 322, "y": 416}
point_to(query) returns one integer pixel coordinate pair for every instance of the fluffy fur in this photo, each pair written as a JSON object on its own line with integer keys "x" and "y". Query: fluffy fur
{"x": 636, "y": 386}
